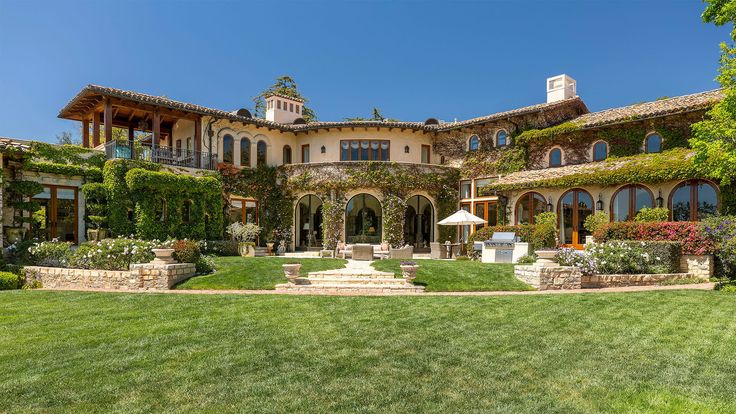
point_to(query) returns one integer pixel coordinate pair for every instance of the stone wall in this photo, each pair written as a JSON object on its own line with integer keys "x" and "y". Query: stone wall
{"x": 145, "y": 276}
{"x": 601, "y": 281}
{"x": 549, "y": 277}
{"x": 697, "y": 266}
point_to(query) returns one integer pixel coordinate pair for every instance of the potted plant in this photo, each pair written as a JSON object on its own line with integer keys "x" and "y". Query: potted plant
{"x": 245, "y": 235}
{"x": 291, "y": 271}
{"x": 409, "y": 271}
{"x": 18, "y": 195}
{"x": 164, "y": 254}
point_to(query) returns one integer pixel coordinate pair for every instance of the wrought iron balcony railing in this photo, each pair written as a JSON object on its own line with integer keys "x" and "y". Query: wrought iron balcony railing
{"x": 177, "y": 157}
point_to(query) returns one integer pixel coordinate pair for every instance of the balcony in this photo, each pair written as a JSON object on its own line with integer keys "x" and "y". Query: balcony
{"x": 175, "y": 157}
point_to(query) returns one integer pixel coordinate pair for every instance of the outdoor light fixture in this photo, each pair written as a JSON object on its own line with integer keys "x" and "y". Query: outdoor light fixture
{"x": 503, "y": 199}
{"x": 323, "y": 149}
{"x": 549, "y": 204}
{"x": 599, "y": 203}
{"x": 660, "y": 200}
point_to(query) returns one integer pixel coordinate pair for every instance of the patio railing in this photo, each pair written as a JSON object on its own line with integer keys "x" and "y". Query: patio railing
{"x": 177, "y": 157}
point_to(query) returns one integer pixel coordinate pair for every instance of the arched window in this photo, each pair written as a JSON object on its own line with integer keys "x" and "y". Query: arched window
{"x": 694, "y": 200}
{"x": 473, "y": 143}
{"x": 228, "y": 149}
{"x": 501, "y": 139}
{"x": 600, "y": 151}
{"x": 160, "y": 209}
{"x": 261, "y": 153}
{"x": 653, "y": 144}
{"x": 528, "y": 206}
{"x": 555, "y": 157}
{"x": 245, "y": 152}
{"x": 574, "y": 207}
{"x": 186, "y": 212}
{"x": 287, "y": 154}
{"x": 628, "y": 200}
{"x": 363, "y": 216}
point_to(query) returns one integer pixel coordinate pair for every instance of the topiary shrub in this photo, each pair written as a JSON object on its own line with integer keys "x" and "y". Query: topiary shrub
{"x": 9, "y": 281}
{"x": 595, "y": 221}
{"x": 647, "y": 214}
{"x": 545, "y": 231}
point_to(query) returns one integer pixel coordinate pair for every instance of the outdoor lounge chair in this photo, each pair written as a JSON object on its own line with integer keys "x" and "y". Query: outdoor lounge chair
{"x": 344, "y": 250}
{"x": 406, "y": 252}
{"x": 363, "y": 252}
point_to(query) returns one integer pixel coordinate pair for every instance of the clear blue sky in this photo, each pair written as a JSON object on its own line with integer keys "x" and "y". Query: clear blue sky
{"x": 412, "y": 59}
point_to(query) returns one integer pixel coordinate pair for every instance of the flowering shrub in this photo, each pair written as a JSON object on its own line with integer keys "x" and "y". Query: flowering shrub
{"x": 115, "y": 254}
{"x": 219, "y": 247}
{"x": 204, "y": 265}
{"x": 186, "y": 251}
{"x": 691, "y": 235}
{"x": 243, "y": 232}
{"x": 50, "y": 253}
{"x": 722, "y": 232}
{"x": 617, "y": 257}
{"x": 568, "y": 256}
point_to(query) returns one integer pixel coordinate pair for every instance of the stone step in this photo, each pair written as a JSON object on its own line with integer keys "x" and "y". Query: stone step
{"x": 348, "y": 289}
{"x": 351, "y": 273}
{"x": 375, "y": 281}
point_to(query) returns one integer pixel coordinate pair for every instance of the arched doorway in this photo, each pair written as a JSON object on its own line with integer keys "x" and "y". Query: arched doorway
{"x": 308, "y": 234}
{"x": 363, "y": 215}
{"x": 575, "y": 205}
{"x": 419, "y": 222}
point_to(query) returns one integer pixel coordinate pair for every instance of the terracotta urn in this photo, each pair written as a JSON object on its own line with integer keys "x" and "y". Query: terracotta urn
{"x": 163, "y": 256}
{"x": 409, "y": 271}
{"x": 546, "y": 258}
{"x": 291, "y": 271}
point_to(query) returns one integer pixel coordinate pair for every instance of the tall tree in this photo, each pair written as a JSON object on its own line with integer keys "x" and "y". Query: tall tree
{"x": 376, "y": 115}
{"x": 285, "y": 85}
{"x": 66, "y": 138}
{"x": 714, "y": 138}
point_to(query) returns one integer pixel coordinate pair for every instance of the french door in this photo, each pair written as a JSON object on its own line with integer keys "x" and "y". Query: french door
{"x": 487, "y": 211}
{"x": 56, "y": 217}
{"x": 575, "y": 206}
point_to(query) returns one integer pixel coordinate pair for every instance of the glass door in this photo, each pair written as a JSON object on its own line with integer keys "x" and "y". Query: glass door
{"x": 56, "y": 217}
{"x": 575, "y": 206}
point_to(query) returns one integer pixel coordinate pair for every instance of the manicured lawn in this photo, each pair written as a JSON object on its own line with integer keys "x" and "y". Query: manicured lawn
{"x": 650, "y": 352}
{"x": 459, "y": 276}
{"x": 254, "y": 272}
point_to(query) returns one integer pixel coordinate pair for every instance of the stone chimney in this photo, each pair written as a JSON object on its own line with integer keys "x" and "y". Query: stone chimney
{"x": 283, "y": 109}
{"x": 561, "y": 87}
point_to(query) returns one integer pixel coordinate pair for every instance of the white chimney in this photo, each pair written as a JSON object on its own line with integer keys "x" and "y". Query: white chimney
{"x": 560, "y": 87}
{"x": 283, "y": 109}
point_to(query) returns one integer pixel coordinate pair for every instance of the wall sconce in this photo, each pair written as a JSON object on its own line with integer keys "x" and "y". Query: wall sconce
{"x": 503, "y": 200}
{"x": 599, "y": 203}
{"x": 323, "y": 149}
{"x": 660, "y": 200}
{"x": 549, "y": 204}
{"x": 406, "y": 149}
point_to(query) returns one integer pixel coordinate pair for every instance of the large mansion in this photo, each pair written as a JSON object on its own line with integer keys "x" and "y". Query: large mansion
{"x": 379, "y": 180}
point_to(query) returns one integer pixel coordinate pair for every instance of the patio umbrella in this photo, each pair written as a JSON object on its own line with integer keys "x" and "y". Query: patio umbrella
{"x": 461, "y": 218}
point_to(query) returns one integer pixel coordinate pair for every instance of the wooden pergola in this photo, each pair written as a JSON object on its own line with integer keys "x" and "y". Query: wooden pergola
{"x": 102, "y": 111}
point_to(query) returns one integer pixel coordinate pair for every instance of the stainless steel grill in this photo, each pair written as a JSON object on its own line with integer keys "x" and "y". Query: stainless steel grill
{"x": 503, "y": 244}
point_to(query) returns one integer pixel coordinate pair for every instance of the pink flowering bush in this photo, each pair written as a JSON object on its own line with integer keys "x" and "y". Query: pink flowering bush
{"x": 691, "y": 235}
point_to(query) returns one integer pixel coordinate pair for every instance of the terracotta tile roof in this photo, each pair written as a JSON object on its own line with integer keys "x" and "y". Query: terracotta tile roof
{"x": 14, "y": 144}
{"x": 515, "y": 112}
{"x": 644, "y": 110}
{"x": 281, "y": 95}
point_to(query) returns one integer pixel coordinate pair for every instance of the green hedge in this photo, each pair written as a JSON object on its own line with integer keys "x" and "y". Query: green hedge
{"x": 9, "y": 281}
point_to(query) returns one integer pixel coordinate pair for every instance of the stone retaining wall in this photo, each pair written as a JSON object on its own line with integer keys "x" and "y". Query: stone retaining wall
{"x": 549, "y": 277}
{"x": 144, "y": 276}
{"x": 601, "y": 281}
{"x": 697, "y": 266}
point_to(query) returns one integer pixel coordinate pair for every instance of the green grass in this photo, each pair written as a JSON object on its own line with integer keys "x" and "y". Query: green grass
{"x": 459, "y": 276}
{"x": 648, "y": 352}
{"x": 237, "y": 272}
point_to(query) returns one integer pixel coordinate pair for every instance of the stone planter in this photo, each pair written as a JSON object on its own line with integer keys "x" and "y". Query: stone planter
{"x": 409, "y": 272}
{"x": 269, "y": 249}
{"x": 291, "y": 271}
{"x": 96, "y": 234}
{"x": 163, "y": 256}
{"x": 247, "y": 249}
{"x": 546, "y": 258}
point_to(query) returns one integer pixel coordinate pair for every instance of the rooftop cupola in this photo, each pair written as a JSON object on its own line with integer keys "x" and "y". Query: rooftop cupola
{"x": 560, "y": 87}
{"x": 283, "y": 109}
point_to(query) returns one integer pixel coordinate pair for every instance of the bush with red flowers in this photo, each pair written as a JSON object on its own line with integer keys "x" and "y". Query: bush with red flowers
{"x": 689, "y": 234}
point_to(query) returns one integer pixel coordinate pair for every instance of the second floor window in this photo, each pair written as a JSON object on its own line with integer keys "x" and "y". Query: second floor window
{"x": 501, "y": 139}
{"x": 228, "y": 149}
{"x": 245, "y": 152}
{"x": 365, "y": 150}
{"x": 653, "y": 144}
{"x": 474, "y": 143}
{"x": 555, "y": 157}
{"x": 261, "y": 153}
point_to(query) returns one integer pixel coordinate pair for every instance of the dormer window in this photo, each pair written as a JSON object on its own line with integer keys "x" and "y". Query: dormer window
{"x": 653, "y": 144}
{"x": 501, "y": 139}
{"x": 473, "y": 143}
{"x": 555, "y": 157}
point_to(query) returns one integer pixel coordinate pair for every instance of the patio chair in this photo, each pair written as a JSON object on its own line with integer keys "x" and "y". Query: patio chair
{"x": 406, "y": 252}
{"x": 363, "y": 252}
{"x": 381, "y": 251}
{"x": 344, "y": 250}
{"x": 437, "y": 251}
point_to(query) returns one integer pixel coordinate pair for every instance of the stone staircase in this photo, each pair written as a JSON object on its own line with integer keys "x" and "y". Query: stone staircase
{"x": 357, "y": 278}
